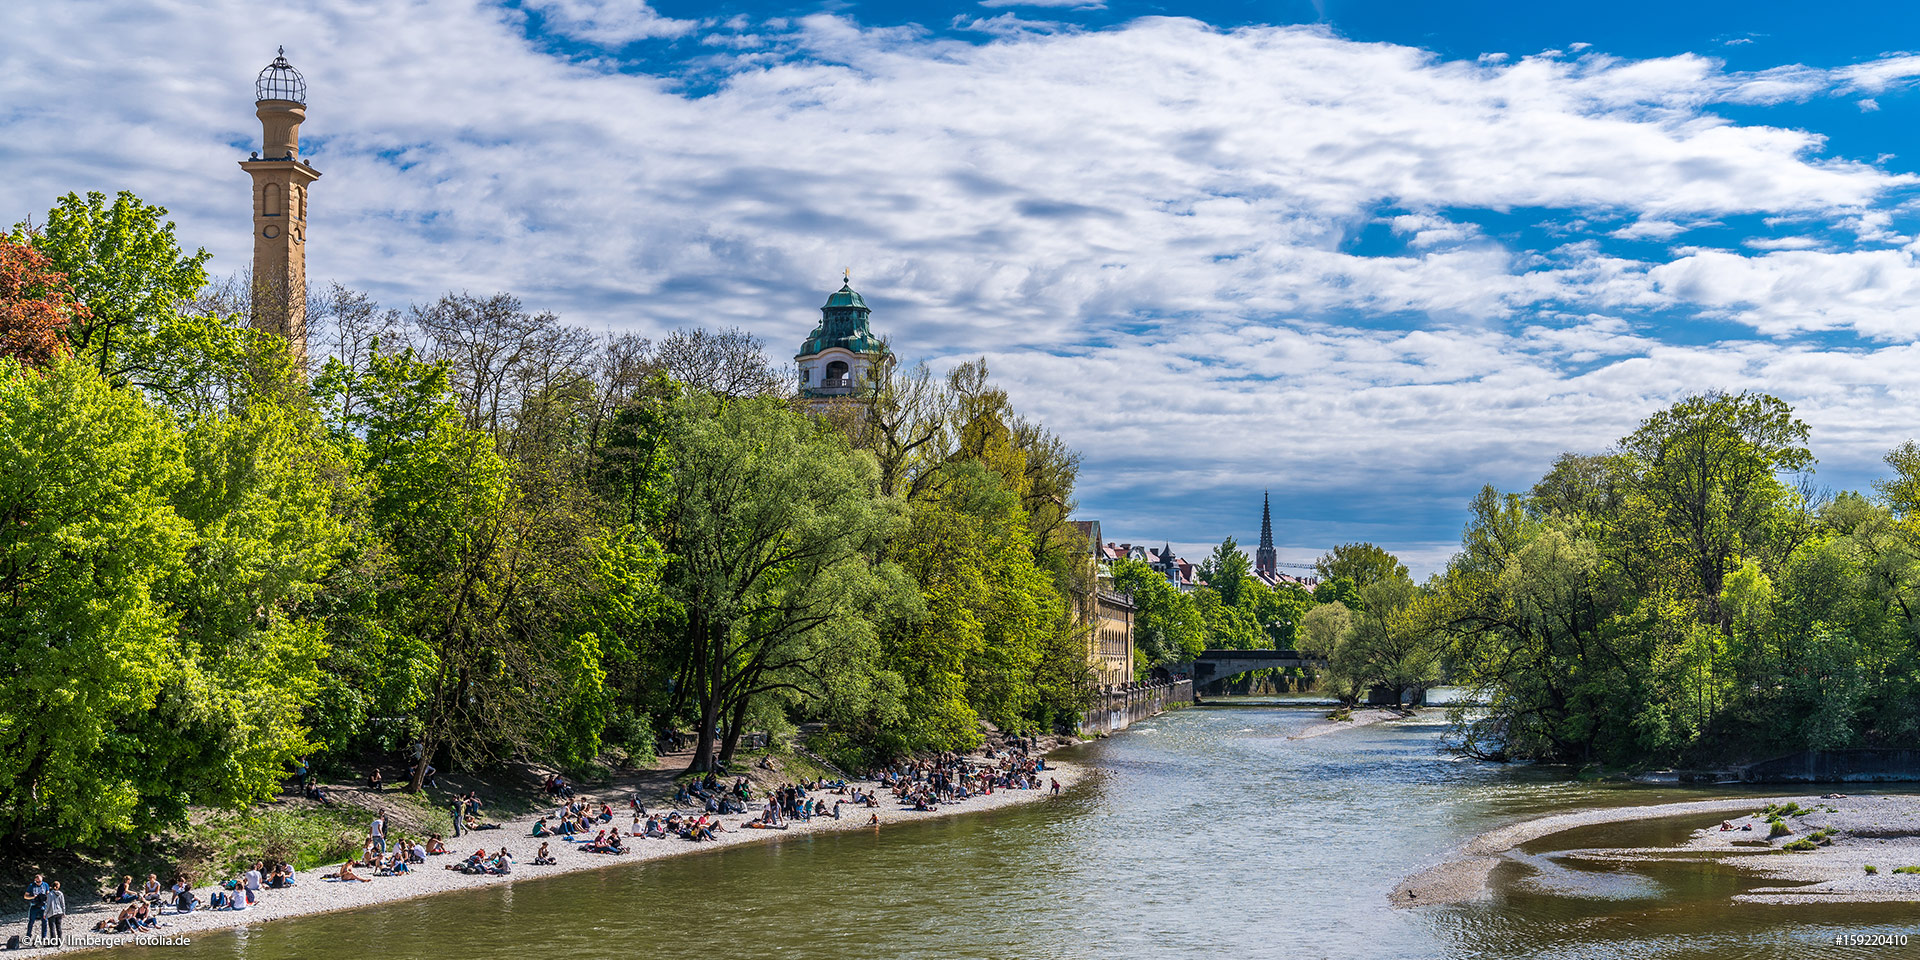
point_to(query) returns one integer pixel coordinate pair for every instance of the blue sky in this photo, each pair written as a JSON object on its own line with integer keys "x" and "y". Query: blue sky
{"x": 1368, "y": 256}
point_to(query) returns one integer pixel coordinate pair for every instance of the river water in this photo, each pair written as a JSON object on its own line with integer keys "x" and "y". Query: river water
{"x": 1208, "y": 833}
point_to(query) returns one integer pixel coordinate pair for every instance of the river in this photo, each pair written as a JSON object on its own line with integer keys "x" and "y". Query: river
{"x": 1209, "y": 833}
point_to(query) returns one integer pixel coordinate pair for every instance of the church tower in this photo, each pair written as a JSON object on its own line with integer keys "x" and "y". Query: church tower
{"x": 1265, "y": 560}
{"x": 842, "y": 357}
{"x": 280, "y": 180}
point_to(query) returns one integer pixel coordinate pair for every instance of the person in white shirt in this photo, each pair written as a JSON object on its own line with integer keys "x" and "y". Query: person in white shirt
{"x": 378, "y": 832}
{"x": 252, "y": 882}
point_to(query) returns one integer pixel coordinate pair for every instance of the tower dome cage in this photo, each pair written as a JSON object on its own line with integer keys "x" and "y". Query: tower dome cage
{"x": 280, "y": 81}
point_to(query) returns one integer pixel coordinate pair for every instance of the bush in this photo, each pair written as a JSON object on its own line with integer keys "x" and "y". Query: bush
{"x": 1907, "y": 869}
{"x": 1777, "y": 827}
{"x": 634, "y": 736}
{"x": 1800, "y": 846}
{"x": 1871, "y": 869}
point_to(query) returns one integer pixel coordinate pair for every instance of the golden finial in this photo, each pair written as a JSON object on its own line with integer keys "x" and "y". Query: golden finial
{"x": 846, "y": 276}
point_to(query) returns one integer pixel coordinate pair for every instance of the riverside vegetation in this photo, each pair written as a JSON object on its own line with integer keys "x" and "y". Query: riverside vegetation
{"x": 476, "y": 531}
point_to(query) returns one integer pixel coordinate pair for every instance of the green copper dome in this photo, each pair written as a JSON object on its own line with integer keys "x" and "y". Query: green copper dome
{"x": 843, "y": 323}
{"x": 845, "y": 297}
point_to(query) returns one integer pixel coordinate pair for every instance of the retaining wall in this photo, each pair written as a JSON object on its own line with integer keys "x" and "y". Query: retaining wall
{"x": 1120, "y": 707}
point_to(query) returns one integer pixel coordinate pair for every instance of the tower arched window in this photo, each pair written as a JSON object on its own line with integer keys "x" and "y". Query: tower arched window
{"x": 298, "y": 206}
{"x": 270, "y": 200}
{"x": 836, "y": 374}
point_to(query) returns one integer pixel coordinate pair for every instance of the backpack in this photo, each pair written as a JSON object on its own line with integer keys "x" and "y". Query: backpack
{"x": 13, "y": 942}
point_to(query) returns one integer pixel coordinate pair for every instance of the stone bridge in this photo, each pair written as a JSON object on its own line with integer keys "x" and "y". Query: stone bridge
{"x": 1215, "y": 665}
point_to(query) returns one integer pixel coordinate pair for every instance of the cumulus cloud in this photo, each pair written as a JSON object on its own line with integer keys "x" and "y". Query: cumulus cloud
{"x": 1075, "y": 4}
{"x": 1266, "y": 251}
{"x": 608, "y": 22}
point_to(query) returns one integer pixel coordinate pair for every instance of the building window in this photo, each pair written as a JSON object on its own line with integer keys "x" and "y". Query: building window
{"x": 836, "y": 374}
{"x": 270, "y": 200}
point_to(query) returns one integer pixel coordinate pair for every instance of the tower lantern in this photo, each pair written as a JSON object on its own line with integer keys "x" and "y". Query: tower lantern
{"x": 842, "y": 357}
{"x": 280, "y": 181}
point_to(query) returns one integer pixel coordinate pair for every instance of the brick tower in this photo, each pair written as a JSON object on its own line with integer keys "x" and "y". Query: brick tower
{"x": 280, "y": 180}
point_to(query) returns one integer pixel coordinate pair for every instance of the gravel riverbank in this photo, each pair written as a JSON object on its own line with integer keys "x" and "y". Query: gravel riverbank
{"x": 1366, "y": 716}
{"x": 1881, "y": 830}
{"x": 313, "y": 895}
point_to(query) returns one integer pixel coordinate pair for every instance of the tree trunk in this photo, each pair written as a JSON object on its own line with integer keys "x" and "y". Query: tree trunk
{"x": 419, "y": 780}
{"x": 734, "y": 726}
{"x": 703, "y": 744}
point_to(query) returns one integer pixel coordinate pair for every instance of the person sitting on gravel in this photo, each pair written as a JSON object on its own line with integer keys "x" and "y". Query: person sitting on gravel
{"x": 116, "y": 924}
{"x": 416, "y": 853}
{"x": 655, "y": 829}
{"x": 544, "y": 858}
{"x": 150, "y": 891}
{"x": 345, "y": 873}
{"x": 435, "y": 845}
{"x": 540, "y": 828}
{"x": 123, "y": 893}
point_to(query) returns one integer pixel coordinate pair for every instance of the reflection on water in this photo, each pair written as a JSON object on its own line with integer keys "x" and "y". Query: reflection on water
{"x": 1207, "y": 833}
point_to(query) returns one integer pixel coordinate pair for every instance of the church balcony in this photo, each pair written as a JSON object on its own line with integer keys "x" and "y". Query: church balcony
{"x": 836, "y": 383}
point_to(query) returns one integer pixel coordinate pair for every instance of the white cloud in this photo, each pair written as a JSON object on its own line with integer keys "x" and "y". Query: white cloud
{"x": 609, "y": 22}
{"x": 1783, "y": 243}
{"x": 1881, "y": 75}
{"x": 1648, "y": 230}
{"x": 1876, "y": 293}
{"x": 1075, "y": 4}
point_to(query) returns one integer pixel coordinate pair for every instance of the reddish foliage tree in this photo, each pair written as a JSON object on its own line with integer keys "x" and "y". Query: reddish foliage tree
{"x": 36, "y": 304}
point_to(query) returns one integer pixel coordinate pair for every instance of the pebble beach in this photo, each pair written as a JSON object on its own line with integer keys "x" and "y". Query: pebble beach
{"x": 311, "y": 894}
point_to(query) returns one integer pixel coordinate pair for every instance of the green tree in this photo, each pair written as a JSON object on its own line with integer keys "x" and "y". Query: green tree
{"x": 127, "y": 268}
{"x": 150, "y": 586}
{"x": 1228, "y": 570}
{"x": 770, "y": 526}
{"x": 1362, "y": 563}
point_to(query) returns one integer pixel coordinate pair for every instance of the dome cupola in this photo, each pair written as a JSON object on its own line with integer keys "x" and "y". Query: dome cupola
{"x": 280, "y": 81}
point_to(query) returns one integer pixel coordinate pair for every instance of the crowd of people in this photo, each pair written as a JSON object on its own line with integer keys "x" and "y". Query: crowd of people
{"x": 922, "y": 784}
{"x": 142, "y": 905}
{"x": 951, "y": 777}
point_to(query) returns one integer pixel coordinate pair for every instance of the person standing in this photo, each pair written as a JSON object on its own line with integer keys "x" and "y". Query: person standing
{"x": 56, "y": 912}
{"x": 36, "y": 898}
{"x": 459, "y": 813}
{"x": 379, "y": 830}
